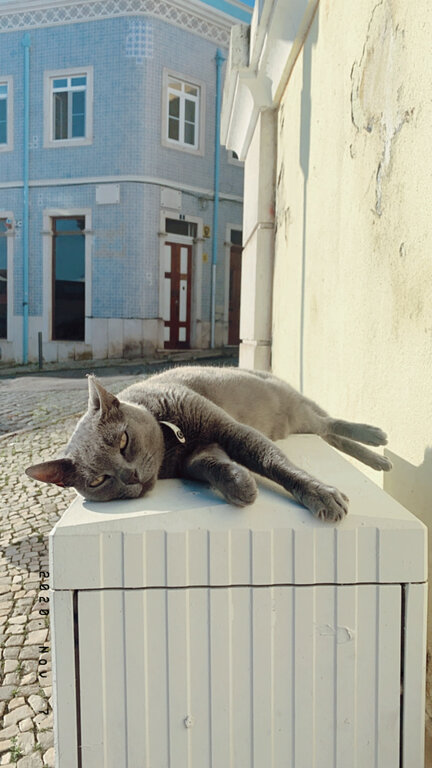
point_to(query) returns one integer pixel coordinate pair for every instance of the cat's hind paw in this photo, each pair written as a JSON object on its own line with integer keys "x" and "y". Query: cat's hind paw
{"x": 372, "y": 435}
{"x": 383, "y": 463}
{"x": 362, "y": 433}
{"x": 368, "y": 435}
{"x": 327, "y": 503}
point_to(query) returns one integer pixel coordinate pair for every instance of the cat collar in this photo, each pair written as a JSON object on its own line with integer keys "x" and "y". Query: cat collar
{"x": 177, "y": 431}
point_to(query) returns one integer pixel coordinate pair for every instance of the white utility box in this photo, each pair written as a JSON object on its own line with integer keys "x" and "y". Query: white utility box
{"x": 188, "y": 633}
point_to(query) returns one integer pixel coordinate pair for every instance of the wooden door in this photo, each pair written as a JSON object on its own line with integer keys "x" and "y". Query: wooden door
{"x": 234, "y": 295}
{"x": 177, "y": 295}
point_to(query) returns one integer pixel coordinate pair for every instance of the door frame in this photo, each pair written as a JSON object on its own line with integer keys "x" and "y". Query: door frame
{"x": 174, "y": 311}
{"x": 228, "y": 244}
{"x": 47, "y": 299}
{"x": 10, "y": 238}
{"x": 238, "y": 250}
{"x": 53, "y": 275}
{"x": 196, "y": 274}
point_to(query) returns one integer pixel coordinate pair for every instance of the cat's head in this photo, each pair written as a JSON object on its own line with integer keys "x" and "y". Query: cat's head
{"x": 115, "y": 451}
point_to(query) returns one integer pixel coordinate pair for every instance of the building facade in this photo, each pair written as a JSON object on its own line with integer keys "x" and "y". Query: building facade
{"x": 107, "y": 178}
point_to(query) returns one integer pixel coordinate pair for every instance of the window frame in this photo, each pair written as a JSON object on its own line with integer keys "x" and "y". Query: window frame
{"x": 10, "y": 236}
{"x": 49, "y": 77}
{"x": 8, "y": 145}
{"x": 175, "y": 144}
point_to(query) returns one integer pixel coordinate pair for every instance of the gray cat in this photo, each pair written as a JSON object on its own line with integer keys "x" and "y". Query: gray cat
{"x": 211, "y": 424}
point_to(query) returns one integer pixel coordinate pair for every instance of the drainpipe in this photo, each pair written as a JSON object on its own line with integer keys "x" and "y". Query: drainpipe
{"x": 26, "y": 153}
{"x": 219, "y": 61}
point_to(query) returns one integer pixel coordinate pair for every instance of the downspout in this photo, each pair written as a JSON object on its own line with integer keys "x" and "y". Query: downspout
{"x": 219, "y": 61}
{"x": 26, "y": 155}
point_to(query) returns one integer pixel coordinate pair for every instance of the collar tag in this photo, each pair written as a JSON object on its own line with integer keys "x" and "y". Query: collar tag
{"x": 177, "y": 431}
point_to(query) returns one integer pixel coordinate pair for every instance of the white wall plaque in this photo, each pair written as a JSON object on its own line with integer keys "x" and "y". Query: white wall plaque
{"x": 107, "y": 194}
{"x": 171, "y": 198}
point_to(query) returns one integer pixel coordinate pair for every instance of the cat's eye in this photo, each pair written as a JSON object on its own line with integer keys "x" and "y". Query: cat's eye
{"x": 97, "y": 481}
{"x": 124, "y": 441}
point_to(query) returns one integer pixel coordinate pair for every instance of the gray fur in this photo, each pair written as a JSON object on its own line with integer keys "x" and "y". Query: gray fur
{"x": 229, "y": 417}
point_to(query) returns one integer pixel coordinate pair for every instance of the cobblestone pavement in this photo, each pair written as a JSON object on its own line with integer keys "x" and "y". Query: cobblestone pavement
{"x": 46, "y": 409}
{"x": 28, "y": 511}
{"x": 39, "y": 400}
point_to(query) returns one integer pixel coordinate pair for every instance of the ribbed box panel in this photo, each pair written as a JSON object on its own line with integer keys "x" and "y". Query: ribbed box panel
{"x": 191, "y": 634}
{"x": 234, "y": 678}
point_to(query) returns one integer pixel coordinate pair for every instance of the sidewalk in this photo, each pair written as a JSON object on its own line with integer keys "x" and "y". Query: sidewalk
{"x": 161, "y": 357}
{"x": 30, "y": 398}
{"x": 42, "y": 410}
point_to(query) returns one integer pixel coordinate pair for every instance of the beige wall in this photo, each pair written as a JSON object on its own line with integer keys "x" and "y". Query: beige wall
{"x": 352, "y": 308}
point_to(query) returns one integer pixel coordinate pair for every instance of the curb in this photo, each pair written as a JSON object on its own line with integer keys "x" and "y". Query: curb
{"x": 160, "y": 358}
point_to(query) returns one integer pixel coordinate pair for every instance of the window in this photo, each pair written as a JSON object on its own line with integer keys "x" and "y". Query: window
{"x": 68, "y": 101}
{"x": 183, "y": 113}
{"x": 68, "y": 278}
{"x": 236, "y": 236}
{"x": 69, "y": 107}
{"x": 3, "y": 278}
{"x": 3, "y": 113}
{"x": 6, "y": 113}
{"x": 181, "y": 227}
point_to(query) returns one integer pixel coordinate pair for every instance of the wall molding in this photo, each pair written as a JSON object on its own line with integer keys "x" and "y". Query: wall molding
{"x": 187, "y": 188}
{"x": 183, "y": 14}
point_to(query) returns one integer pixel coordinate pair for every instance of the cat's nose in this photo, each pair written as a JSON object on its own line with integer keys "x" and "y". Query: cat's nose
{"x": 131, "y": 479}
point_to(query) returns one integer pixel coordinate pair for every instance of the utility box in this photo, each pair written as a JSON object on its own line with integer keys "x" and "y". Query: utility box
{"x": 188, "y": 633}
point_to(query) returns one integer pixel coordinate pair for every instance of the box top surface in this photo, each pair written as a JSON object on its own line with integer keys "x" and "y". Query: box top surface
{"x": 184, "y": 534}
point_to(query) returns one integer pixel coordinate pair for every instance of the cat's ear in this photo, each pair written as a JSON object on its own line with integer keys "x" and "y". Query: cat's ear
{"x": 99, "y": 399}
{"x": 59, "y": 471}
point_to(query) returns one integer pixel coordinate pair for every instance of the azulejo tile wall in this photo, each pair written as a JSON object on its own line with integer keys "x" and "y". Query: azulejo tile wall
{"x": 127, "y": 55}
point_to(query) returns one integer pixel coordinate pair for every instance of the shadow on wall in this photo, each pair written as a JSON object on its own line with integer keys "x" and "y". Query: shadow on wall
{"x": 305, "y": 137}
{"x": 412, "y": 486}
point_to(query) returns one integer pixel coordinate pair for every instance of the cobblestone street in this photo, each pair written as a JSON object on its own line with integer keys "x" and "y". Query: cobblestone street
{"x": 28, "y": 512}
{"x": 37, "y": 415}
{"x": 29, "y": 402}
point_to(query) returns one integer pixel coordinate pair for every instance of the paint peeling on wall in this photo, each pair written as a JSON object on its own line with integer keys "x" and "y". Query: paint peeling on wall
{"x": 379, "y": 102}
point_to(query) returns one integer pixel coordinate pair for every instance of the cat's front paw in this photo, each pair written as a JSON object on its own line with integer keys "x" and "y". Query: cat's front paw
{"x": 239, "y": 487}
{"x": 327, "y": 503}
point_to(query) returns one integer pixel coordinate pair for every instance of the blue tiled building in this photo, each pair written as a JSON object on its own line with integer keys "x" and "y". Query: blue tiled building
{"x": 107, "y": 181}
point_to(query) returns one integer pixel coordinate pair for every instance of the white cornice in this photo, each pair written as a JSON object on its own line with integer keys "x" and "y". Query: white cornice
{"x": 259, "y": 68}
{"x": 126, "y": 179}
{"x": 200, "y": 19}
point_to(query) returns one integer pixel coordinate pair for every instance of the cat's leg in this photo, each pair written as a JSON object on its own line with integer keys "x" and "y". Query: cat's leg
{"x": 352, "y": 448}
{"x": 314, "y": 420}
{"x": 363, "y": 433}
{"x": 343, "y": 435}
{"x": 212, "y": 465}
{"x": 259, "y": 454}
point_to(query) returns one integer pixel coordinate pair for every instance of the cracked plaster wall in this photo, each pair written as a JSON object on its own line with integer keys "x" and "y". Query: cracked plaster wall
{"x": 352, "y": 296}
